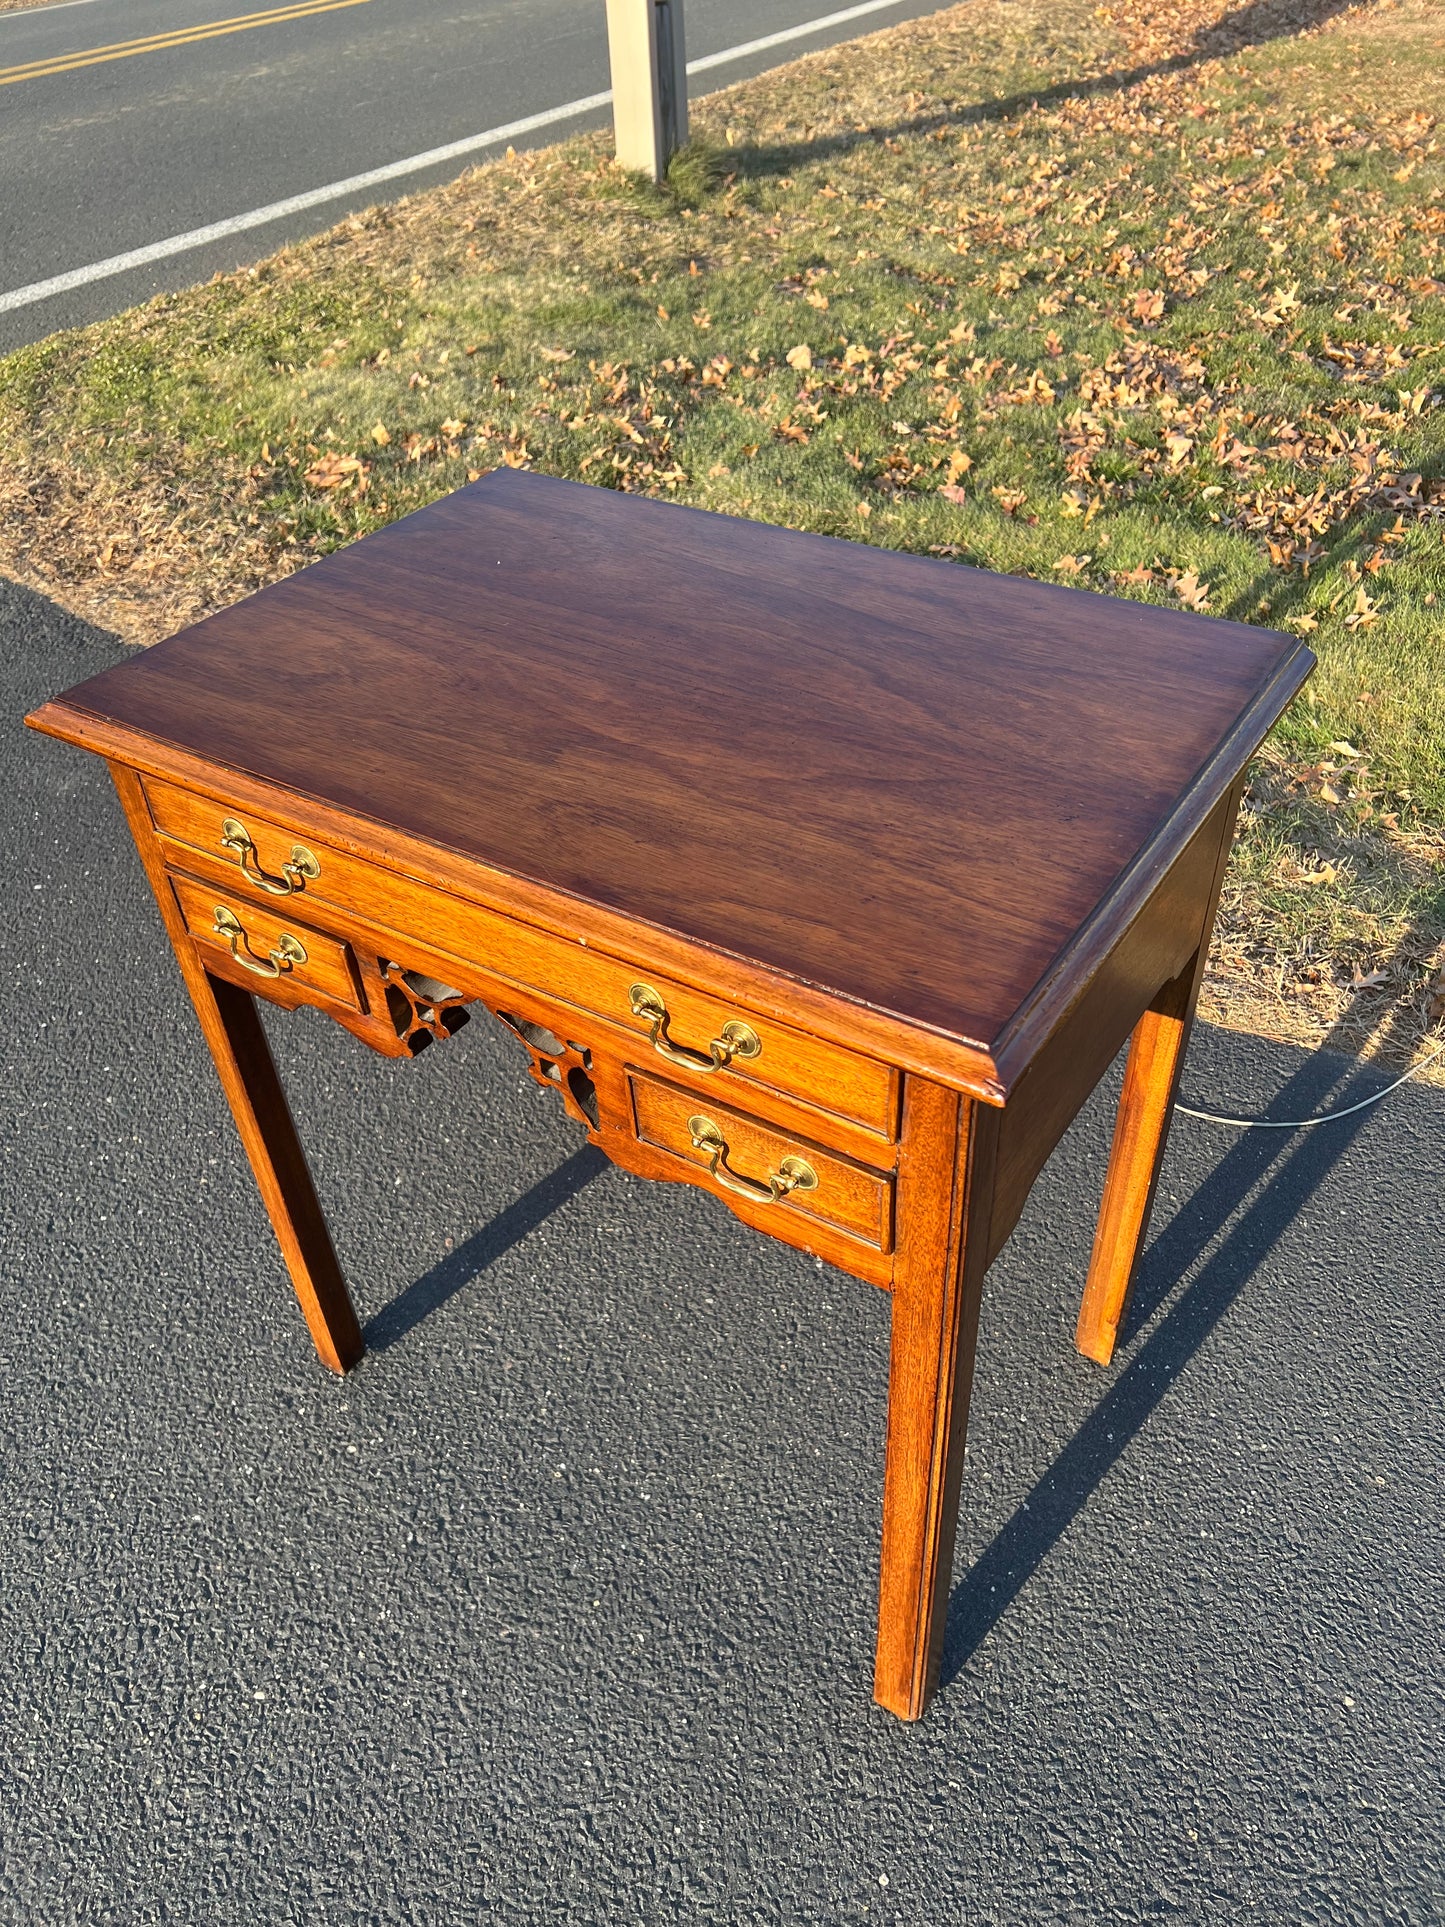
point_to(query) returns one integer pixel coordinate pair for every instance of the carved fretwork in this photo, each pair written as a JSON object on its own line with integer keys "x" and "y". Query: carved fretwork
{"x": 559, "y": 1065}
{"x": 421, "y": 1009}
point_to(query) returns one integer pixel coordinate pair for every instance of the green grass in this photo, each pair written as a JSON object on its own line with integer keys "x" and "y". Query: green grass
{"x": 1148, "y": 299}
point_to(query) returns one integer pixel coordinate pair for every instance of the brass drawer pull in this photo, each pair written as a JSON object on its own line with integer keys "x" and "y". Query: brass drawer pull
{"x": 793, "y": 1174}
{"x": 288, "y": 953}
{"x": 300, "y": 869}
{"x": 737, "y": 1039}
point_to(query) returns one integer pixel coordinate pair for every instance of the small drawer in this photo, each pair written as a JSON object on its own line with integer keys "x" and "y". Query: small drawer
{"x": 269, "y": 858}
{"x": 268, "y": 950}
{"x": 749, "y": 1160}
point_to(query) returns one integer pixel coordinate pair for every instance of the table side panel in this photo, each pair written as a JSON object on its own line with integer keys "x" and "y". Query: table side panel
{"x": 1089, "y": 1035}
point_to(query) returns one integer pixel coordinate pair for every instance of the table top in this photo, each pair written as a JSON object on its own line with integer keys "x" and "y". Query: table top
{"x": 911, "y": 783}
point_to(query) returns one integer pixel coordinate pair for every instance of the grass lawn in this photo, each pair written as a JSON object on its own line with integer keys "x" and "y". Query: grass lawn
{"x": 1146, "y": 298}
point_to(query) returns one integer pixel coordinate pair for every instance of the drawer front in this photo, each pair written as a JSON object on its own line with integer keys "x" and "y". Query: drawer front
{"x": 744, "y": 1157}
{"x": 268, "y": 950}
{"x": 697, "y": 1035}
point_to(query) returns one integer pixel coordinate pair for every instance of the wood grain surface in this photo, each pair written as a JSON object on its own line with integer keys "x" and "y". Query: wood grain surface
{"x": 902, "y": 781}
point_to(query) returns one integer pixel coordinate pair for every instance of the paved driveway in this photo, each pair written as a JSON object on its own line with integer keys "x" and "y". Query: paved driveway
{"x": 559, "y": 1609}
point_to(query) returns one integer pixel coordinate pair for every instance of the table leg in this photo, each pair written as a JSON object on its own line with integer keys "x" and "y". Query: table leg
{"x": 945, "y": 1191}
{"x": 232, "y": 1028}
{"x": 1141, "y": 1129}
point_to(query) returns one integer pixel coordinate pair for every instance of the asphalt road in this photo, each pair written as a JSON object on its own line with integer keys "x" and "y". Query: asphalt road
{"x": 99, "y": 159}
{"x": 559, "y": 1609}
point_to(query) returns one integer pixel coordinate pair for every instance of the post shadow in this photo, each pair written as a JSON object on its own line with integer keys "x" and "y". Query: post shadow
{"x": 432, "y": 1290}
{"x": 1252, "y": 25}
{"x": 1300, "y": 1163}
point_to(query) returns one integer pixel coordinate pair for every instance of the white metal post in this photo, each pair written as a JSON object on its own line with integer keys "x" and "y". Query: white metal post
{"x": 649, "y": 83}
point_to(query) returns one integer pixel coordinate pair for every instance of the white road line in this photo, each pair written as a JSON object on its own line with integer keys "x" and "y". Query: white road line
{"x": 54, "y": 7}
{"x": 789, "y": 33}
{"x": 338, "y": 190}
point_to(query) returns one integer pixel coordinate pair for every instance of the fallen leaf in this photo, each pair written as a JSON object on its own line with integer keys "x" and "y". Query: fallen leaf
{"x": 1367, "y": 980}
{"x": 381, "y": 435}
{"x": 952, "y": 493}
{"x": 815, "y": 298}
{"x": 1363, "y": 613}
{"x": 801, "y": 356}
{"x": 1136, "y": 577}
{"x": 958, "y": 465}
{"x": 564, "y": 354}
{"x": 702, "y": 320}
{"x": 335, "y": 471}
{"x": 1179, "y": 446}
{"x": 1193, "y": 593}
{"x": 452, "y": 429}
{"x": 1073, "y": 564}
{"x": 1345, "y": 749}
{"x": 864, "y": 510}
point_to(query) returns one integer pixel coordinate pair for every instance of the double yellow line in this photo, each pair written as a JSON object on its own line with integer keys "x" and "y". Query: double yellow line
{"x": 161, "y": 42}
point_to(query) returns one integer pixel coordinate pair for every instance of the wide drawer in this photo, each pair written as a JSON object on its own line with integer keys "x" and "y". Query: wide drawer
{"x": 268, "y": 950}
{"x": 698, "y": 1035}
{"x": 743, "y": 1157}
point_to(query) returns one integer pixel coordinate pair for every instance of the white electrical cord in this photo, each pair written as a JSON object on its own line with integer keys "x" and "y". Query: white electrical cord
{"x": 1306, "y": 1123}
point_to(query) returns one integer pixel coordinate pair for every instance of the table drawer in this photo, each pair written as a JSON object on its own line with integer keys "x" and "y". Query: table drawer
{"x": 746, "y": 1158}
{"x": 698, "y": 1035}
{"x": 268, "y": 950}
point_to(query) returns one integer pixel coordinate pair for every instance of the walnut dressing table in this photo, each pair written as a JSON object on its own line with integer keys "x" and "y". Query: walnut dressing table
{"x": 825, "y": 878}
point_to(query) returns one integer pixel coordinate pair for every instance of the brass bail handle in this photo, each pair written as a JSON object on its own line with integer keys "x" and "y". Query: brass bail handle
{"x": 793, "y": 1174}
{"x": 289, "y": 950}
{"x": 736, "y": 1039}
{"x": 300, "y": 868}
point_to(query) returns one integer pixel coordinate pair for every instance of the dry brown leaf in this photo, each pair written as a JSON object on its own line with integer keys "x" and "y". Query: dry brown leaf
{"x": 1193, "y": 593}
{"x": 800, "y": 357}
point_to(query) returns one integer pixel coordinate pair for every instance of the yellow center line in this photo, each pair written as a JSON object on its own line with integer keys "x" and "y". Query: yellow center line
{"x": 162, "y": 42}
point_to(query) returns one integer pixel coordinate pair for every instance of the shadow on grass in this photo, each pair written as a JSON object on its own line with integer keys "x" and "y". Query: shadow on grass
{"x": 1290, "y": 1166}
{"x": 1250, "y": 26}
{"x": 432, "y": 1290}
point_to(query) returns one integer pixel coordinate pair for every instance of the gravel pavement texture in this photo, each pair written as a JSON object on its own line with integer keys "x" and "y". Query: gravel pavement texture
{"x": 559, "y": 1609}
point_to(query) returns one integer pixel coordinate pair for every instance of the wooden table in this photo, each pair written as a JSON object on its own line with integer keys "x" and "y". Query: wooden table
{"x": 824, "y": 878}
